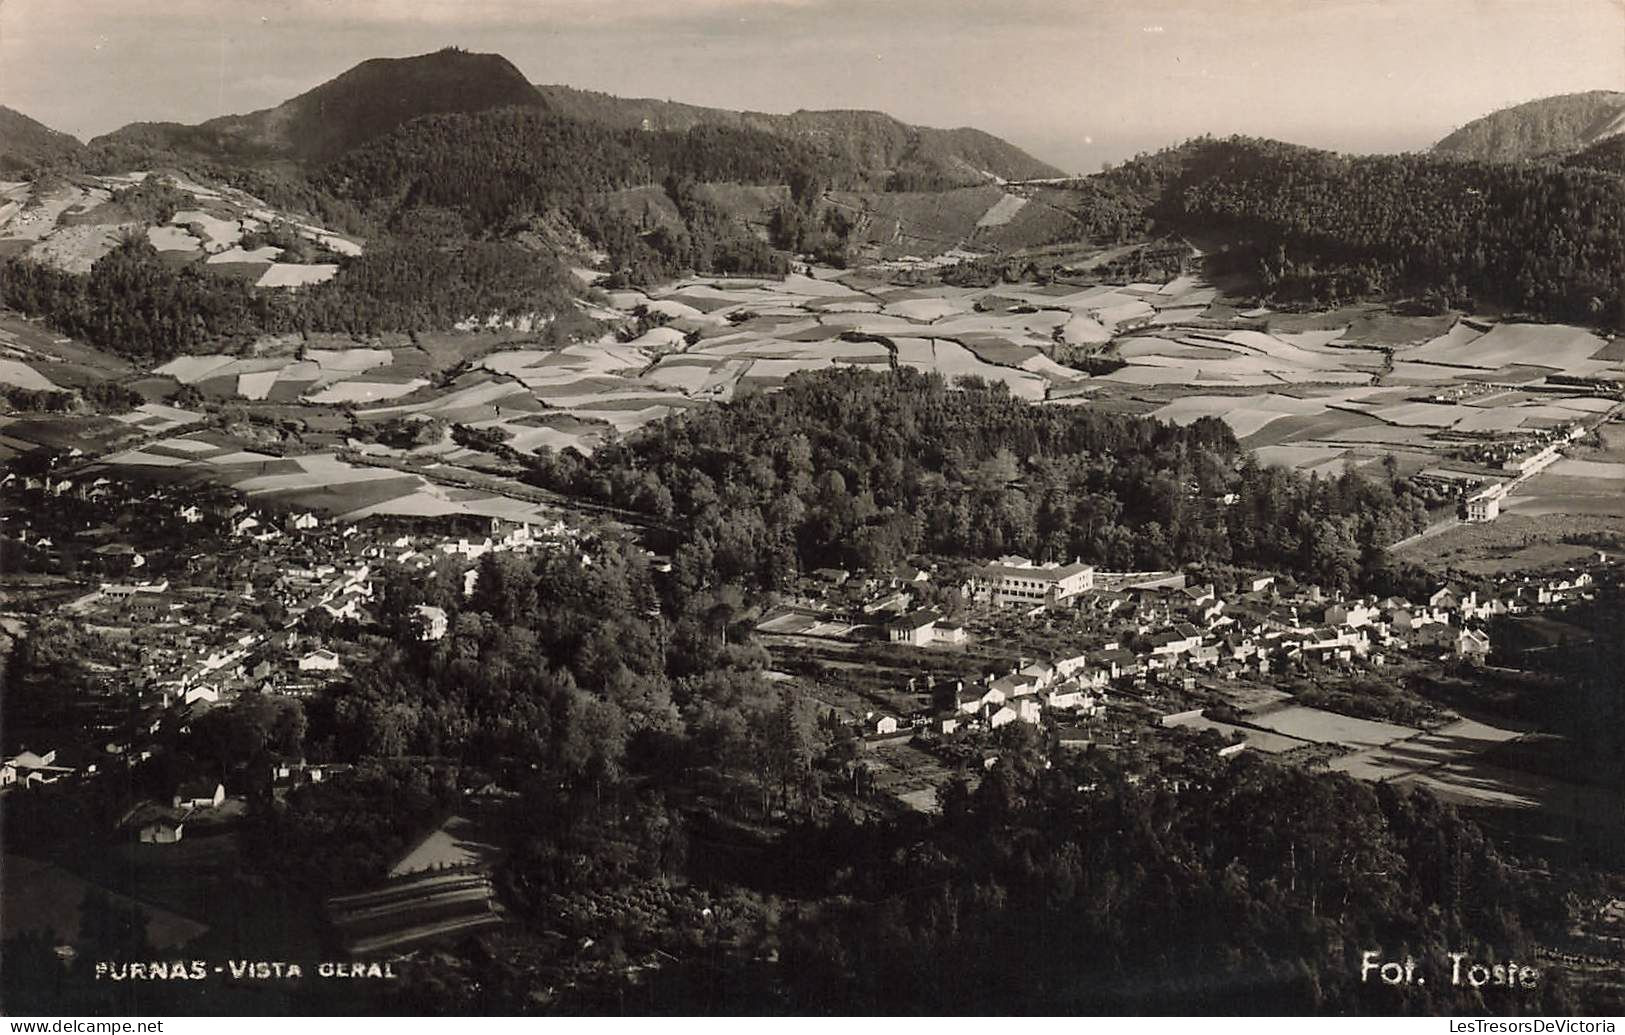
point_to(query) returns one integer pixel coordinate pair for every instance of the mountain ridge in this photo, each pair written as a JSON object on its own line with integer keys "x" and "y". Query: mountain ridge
{"x": 26, "y": 142}
{"x": 1539, "y": 128}
{"x": 380, "y": 95}
{"x": 358, "y": 105}
{"x": 873, "y": 139}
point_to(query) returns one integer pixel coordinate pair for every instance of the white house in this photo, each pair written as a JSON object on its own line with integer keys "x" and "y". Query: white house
{"x": 1472, "y": 644}
{"x": 918, "y": 628}
{"x": 1069, "y": 695}
{"x": 1024, "y": 711}
{"x": 432, "y": 623}
{"x": 200, "y": 794}
{"x": 319, "y": 660}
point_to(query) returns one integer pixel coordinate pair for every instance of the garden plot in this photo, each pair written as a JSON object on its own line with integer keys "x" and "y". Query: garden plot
{"x": 192, "y": 369}
{"x": 189, "y": 446}
{"x": 156, "y": 417}
{"x": 24, "y": 376}
{"x": 268, "y": 253}
{"x": 1307, "y": 457}
{"x": 332, "y": 242}
{"x": 77, "y": 248}
{"x": 476, "y": 391}
{"x": 218, "y": 234}
{"x": 1595, "y": 469}
{"x": 293, "y": 274}
{"x": 1325, "y": 727}
{"x": 952, "y": 360}
{"x": 34, "y": 215}
{"x": 1243, "y": 358}
{"x": 359, "y": 391}
{"x": 1566, "y": 348}
{"x": 1257, "y": 740}
{"x": 145, "y": 458}
{"x": 1419, "y": 415}
{"x": 1246, "y": 415}
{"x": 1002, "y": 211}
{"x": 1554, "y": 491}
{"x": 1084, "y": 330}
{"x": 557, "y": 432}
{"x": 924, "y": 310}
{"x": 453, "y": 843}
{"x": 173, "y": 239}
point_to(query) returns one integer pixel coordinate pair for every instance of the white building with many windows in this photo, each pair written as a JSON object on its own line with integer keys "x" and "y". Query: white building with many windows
{"x": 1018, "y": 581}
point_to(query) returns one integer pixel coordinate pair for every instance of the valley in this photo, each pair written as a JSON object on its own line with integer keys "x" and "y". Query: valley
{"x": 598, "y": 555}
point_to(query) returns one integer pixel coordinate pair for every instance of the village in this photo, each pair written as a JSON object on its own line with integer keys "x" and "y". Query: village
{"x": 1091, "y": 656}
{"x": 174, "y": 630}
{"x": 1097, "y": 660}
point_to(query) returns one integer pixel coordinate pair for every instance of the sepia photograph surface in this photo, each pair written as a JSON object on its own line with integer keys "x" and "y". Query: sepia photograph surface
{"x": 740, "y": 508}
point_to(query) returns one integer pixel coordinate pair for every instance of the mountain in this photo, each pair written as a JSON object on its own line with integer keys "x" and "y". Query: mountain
{"x": 366, "y": 102}
{"x": 891, "y": 152}
{"x": 1551, "y": 124}
{"x": 1319, "y": 229}
{"x": 26, "y": 143}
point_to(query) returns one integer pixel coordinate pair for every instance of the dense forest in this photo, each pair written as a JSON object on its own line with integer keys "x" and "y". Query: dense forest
{"x": 1321, "y": 228}
{"x": 506, "y": 168}
{"x": 1607, "y": 155}
{"x": 1212, "y": 889}
{"x": 494, "y": 165}
{"x": 862, "y": 469}
{"x": 133, "y": 304}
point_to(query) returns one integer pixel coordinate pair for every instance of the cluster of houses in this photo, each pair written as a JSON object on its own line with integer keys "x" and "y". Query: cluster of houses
{"x": 1143, "y": 622}
{"x": 1156, "y": 626}
{"x": 200, "y": 636}
{"x": 1066, "y": 690}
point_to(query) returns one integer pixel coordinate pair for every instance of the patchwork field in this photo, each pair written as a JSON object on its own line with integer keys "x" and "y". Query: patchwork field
{"x": 73, "y": 222}
{"x": 1318, "y": 392}
{"x": 317, "y": 481}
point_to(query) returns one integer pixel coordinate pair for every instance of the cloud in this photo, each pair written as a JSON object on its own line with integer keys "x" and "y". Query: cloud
{"x": 471, "y": 13}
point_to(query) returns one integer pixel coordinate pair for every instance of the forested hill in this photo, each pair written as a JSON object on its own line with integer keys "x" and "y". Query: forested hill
{"x": 887, "y": 152}
{"x": 865, "y": 470}
{"x": 1325, "y": 228}
{"x": 26, "y": 144}
{"x": 1540, "y": 127}
{"x": 493, "y": 164}
{"x": 367, "y": 101}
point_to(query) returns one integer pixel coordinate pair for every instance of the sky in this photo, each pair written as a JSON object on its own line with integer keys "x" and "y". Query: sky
{"x": 1074, "y": 82}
